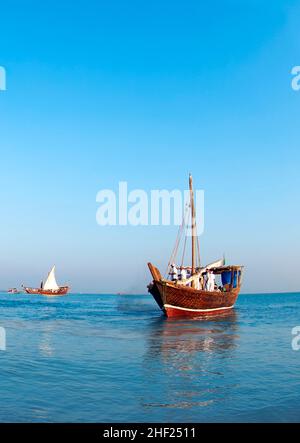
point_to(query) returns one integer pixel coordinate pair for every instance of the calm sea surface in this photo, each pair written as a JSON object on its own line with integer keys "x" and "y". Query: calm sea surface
{"x": 105, "y": 358}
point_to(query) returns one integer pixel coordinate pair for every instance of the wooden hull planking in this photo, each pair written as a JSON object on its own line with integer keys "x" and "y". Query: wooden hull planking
{"x": 178, "y": 301}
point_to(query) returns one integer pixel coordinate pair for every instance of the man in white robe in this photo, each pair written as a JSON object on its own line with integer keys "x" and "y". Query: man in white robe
{"x": 183, "y": 274}
{"x": 210, "y": 284}
{"x": 174, "y": 272}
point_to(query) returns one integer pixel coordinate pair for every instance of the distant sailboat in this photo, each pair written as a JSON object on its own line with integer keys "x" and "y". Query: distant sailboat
{"x": 50, "y": 287}
{"x": 13, "y": 291}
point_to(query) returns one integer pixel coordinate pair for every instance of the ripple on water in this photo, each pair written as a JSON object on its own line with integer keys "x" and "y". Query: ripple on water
{"x": 116, "y": 358}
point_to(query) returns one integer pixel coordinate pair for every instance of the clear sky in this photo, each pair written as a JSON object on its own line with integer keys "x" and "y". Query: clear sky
{"x": 104, "y": 91}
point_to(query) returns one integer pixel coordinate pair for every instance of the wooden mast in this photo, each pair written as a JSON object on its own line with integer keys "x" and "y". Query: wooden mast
{"x": 193, "y": 226}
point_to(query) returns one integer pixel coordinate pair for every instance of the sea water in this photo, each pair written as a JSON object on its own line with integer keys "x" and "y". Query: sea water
{"x": 116, "y": 358}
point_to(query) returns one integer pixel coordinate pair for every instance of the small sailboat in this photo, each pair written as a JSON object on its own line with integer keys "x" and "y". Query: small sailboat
{"x": 194, "y": 292}
{"x": 50, "y": 287}
{"x": 13, "y": 291}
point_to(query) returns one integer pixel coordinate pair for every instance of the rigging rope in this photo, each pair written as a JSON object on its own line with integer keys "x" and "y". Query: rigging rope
{"x": 185, "y": 238}
{"x": 198, "y": 251}
{"x": 178, "y": 239}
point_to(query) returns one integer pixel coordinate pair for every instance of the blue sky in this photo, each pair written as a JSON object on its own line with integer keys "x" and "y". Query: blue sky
{"x": 100, "y": 92}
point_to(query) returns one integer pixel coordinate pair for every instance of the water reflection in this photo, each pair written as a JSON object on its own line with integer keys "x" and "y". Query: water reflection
{"x": 217, "y": 334}
{"x": 46, "y": 345}
{"x": 189, "y": 359}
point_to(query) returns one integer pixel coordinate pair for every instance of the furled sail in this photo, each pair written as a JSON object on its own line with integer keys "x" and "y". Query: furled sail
{"x": 50, "y": 284}
{"x": 216, "y": 264}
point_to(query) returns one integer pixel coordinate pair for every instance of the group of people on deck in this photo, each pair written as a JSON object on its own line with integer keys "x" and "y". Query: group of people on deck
{"x": 205, "y": 282}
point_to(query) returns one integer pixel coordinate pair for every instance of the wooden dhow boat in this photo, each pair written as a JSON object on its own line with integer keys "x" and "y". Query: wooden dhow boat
{"x": 50, "y": 287}
{"x": 194, "y": 292}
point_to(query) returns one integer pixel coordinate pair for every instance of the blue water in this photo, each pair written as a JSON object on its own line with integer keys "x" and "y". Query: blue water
{"x": 105, "y": 358}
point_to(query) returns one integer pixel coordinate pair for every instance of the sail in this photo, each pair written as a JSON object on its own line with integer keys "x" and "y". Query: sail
{"x": 50, "y": 283}
{"x": 216, "y": 264}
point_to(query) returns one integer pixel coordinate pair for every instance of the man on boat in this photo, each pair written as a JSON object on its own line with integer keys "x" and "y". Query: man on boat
{"x": 210, "y": 283}
{"x": 202, "y": 281}
{"x": 183, "y": 274}
{"x": 174, "y": 272}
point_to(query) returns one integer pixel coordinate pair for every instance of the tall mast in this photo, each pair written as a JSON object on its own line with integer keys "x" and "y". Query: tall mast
{"x": 193, "y": 214}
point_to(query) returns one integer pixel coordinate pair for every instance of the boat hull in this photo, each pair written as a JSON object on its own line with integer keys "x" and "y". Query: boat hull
{"x": 178, "y": 301}
{"x": 63, "y": 290}
{"x": 175, "y": 311}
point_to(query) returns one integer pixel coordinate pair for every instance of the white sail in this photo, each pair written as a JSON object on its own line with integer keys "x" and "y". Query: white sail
{"x": 216, "y": 264}
{"x": 50, "y": 284}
